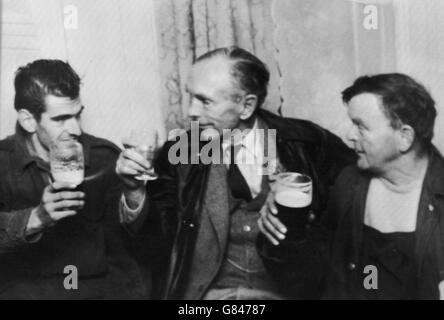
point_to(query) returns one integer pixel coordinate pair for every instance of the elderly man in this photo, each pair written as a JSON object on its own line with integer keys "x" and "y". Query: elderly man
{"x": 59, "y": 241}
{"x": 383, "y": 236}
{"x": 208, "y": 212}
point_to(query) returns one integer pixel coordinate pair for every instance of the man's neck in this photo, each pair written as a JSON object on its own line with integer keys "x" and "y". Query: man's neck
{"x": 406, "y": 170}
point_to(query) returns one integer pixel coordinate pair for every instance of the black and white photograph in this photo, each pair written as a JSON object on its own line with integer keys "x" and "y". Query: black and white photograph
{"x": 213, "y": 150}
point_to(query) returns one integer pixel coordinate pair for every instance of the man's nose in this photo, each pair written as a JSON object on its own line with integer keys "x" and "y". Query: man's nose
{"x": 195, "y": 109}
{"x": 352, "y": 134}
{"x": 73, "y": 127}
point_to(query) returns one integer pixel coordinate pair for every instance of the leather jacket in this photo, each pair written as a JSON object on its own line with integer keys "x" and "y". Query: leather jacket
{"x": 177, "y": 196}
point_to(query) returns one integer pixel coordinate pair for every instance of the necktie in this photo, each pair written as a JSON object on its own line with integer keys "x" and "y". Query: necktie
{"x": 236, "y": 181}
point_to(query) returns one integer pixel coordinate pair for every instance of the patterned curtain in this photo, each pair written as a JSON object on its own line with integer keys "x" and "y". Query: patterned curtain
{"x": 189, "y": 28}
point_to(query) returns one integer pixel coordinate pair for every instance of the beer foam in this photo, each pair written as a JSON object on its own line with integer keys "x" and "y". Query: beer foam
{"x": 293, "y": 198}
{"x": 69, "y": 176}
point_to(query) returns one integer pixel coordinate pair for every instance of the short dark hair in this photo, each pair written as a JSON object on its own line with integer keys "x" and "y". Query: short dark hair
{"x": 37, "y": 79}
{"x": 404, "y": 101}
{"x": 250, "y": 72}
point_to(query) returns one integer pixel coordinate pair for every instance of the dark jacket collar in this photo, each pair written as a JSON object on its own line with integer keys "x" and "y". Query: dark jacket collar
{"x": 435, "y": 182}
{"x": 289, "y": 128}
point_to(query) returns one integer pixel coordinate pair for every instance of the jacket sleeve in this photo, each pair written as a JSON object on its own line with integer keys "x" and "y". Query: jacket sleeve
{"x": 157, "y": 219}
{"x": 13, "y": 230}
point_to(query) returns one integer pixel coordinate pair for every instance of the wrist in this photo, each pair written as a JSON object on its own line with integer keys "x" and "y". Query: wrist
{"x": 39, "y": 219}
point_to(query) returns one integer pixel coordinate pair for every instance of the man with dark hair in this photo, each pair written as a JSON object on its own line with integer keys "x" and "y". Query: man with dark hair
{"x": 208, "y": 212}
{"x": 383, "y": 235}
{"x": 57, "y": 240}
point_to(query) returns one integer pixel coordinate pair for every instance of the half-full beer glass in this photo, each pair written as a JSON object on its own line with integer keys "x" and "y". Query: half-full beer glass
{"x": 67, "y": 162}
{"x": 293, "y": 194}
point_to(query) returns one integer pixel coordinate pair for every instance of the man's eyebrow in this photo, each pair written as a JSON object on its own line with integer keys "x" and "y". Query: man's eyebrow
{"x": 202, "y": 96}
{"x": 357, "y": 121}
{"x": 67, "y": 116}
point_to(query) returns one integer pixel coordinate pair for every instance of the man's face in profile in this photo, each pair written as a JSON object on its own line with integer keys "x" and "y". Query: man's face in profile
{"x": 60, "y": 121}
{"x": 215, "y": 101}
{"x": 374, "y": 139}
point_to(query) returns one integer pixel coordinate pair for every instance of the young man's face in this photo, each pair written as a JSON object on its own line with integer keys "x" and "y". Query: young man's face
{"x": 213, "y": 97}
{"x": 60, "y": 121}
{"x": 374, "y": 139}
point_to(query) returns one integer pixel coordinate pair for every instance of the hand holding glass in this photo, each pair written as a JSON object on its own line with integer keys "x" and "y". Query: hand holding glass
{"x": 293, "y": 194}
{"x": 146, "y": 143}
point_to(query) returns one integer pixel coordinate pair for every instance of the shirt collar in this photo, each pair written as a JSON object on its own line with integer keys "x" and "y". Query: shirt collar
{"x": 247, "y": 141}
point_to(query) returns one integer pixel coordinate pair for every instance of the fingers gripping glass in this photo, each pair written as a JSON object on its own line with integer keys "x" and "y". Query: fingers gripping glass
{"x": 146, "y": 143}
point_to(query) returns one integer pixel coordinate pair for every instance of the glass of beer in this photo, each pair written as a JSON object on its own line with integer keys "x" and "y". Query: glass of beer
{"x": 67, "y": 162}
{"x": 293, "y": 194}
{"x": 146, "y": 143}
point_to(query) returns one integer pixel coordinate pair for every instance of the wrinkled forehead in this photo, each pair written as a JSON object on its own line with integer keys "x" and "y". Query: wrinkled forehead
{"x": 55, "y": 105}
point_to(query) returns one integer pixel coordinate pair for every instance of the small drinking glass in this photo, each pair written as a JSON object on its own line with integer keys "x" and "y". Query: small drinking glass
{"x": 67, "y": 162}
{"x": 146, "y": 143}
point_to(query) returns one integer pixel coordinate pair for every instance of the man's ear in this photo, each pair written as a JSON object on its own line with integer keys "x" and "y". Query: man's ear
{"x": 406, "y": 138}
{"x": 250, "y": 105}
{"x": 27, "y": 121}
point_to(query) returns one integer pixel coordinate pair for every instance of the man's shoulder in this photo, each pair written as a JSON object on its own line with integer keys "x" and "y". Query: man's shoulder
{"x": 294, "y": 129}
{"x": 7, "y": 143}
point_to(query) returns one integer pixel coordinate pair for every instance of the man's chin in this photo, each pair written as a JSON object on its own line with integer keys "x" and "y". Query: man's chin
{"x": 362, "y": 164}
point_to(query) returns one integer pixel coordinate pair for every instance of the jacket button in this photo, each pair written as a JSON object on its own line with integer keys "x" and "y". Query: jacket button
{"x": 352, "y": 266}
{"x": 188, "y": 224}
{"x": 431, "y": 207}
{"x": 311, "y": 217}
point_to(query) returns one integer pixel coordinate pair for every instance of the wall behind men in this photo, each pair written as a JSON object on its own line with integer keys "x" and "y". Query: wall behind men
{"x": 110, "y": 43}
{"x": 325, "y": 45}
{"x": 321, "y": 47}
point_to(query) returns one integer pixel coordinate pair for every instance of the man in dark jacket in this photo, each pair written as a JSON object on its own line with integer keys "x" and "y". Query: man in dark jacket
{"x": 57, "y": 240}
{"x": 383, "y": 234}
{"x": 208, "y": 212}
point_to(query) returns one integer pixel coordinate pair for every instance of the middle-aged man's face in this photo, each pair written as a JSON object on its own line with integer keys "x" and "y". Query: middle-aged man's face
{"x": 212, "y": 91}
{"x": 60, "y": 121}
{"x": 374, "y": 139}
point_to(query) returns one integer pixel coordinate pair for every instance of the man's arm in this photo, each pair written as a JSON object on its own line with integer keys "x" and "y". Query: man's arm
{"x": 22, "y": 227}
{"x": 151, "y": 206}
{"x": 16, "y": 230}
